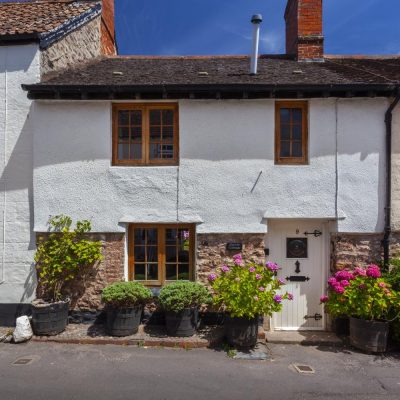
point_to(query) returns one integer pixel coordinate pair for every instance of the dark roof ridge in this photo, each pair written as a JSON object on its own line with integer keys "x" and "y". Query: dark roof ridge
{"x": 361, "y": 57}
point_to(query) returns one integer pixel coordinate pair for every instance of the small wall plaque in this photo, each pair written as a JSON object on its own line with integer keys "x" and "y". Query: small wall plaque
{"x": 234, "y": 246}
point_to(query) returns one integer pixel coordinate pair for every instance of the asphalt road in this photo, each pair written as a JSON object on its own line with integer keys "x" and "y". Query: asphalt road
{"x": 114, "y": 372}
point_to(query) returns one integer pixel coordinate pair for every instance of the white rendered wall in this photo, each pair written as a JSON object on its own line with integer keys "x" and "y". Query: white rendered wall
{"x": 18, "y": 64}
{"x": 224, "y": 145}
{"x": 396, "y": 169}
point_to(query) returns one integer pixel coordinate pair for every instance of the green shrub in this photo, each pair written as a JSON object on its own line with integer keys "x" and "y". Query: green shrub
{"x": 125, "y": 294}
{"x": 248, "y": 290}
{"x": 64, "y": 254}
{"x": 180, "y": 295}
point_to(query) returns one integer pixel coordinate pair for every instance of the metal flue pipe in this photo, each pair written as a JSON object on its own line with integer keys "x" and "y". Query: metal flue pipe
{"x": 256, "y": 21}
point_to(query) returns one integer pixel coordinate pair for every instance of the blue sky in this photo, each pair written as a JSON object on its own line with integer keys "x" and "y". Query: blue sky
{"x": 201, "y": 27}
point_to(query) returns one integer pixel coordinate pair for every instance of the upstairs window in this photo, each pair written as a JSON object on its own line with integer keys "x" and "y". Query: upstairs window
{"x": 291, "y": 132}
{"x": 145, "y": 134}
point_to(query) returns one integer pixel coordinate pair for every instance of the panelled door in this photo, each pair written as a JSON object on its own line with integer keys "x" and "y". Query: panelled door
{"x": 297, "y": 247}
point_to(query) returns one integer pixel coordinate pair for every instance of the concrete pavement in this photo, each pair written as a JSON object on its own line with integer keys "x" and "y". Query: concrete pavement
{"x": 60, "y": 371}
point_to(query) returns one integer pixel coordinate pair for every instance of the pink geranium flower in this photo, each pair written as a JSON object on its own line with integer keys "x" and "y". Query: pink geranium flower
{"x": 272, "y": 266}
{"x": 261, "y": 289}
{"x": 360, "y": 271}
{"x": 290, "y": 296}
{"x": 258, "y": 277}
{"x": 373, "y": 271}
{"x": 225, "y": 268}
{"x": 344, "y": 283}
{"x": 332, "y": 281}
{"x": 212, "y": 277}
{"x": 324, "y": 298}
{"x": 344, "y": 275}
{"x": 237, "y": 259}
{"x": 338, "y": 289}
{"x": 252, "y": 269}
{"x": 278, "y": 298}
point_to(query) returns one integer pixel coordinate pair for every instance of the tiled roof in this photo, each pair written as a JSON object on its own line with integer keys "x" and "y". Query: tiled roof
{"x": 38, "y": 17}
{"x": 228, "y": 70}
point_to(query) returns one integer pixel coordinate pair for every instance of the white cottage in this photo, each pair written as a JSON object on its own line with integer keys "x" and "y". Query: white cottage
{"x": 35, "y": 39}
{"x": 182, "y": 162}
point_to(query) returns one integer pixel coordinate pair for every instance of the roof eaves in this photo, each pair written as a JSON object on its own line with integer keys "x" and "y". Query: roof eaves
{"x": 48, "y": 38}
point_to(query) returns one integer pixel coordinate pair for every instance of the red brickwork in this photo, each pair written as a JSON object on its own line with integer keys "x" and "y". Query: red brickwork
{"x": 304, "y": 36}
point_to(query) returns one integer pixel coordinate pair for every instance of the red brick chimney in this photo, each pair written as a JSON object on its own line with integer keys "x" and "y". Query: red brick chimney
{"x": 304, "y": 37}
{"x": 107, "y": 29}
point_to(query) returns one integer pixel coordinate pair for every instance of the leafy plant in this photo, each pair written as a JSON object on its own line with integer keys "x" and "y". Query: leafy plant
{"x": 362, "y": 293}
{"x": 248, "y": 290}
{"x": 64, "y": 254}
{"x": 180, "y": 295}
{"x": 125, "y": 294}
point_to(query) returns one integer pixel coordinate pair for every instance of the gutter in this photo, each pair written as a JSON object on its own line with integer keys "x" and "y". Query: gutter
{"x": 388, "y": 210}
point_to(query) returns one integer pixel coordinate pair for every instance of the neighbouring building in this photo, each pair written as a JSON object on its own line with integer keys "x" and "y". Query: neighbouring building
{"x": 36, "y": 38}
{"x": 182, "y": 162}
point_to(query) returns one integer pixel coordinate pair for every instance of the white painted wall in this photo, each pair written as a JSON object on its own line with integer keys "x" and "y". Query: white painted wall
{"x": 224, "y": 145}
{"x": 396, "y": 169}
{"x": 17, "y": 64}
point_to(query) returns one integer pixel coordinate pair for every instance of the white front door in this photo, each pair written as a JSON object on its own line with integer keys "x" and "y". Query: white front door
{"x": 302, "y": 259}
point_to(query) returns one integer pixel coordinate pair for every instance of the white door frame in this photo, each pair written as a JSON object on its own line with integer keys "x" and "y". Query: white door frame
{"x": 325, "y": 255}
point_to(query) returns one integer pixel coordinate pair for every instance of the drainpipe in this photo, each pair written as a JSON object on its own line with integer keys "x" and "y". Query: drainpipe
{"x": 388, "y": 228}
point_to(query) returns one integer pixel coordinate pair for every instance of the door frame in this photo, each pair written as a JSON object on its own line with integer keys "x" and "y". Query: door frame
{"x": 325, "y": 256}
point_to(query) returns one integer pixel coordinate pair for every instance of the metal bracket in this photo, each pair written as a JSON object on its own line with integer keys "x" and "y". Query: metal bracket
{"x": 297, "y": 278}
{"x": 316, "y": 233}
{"x": 316, "y": 316}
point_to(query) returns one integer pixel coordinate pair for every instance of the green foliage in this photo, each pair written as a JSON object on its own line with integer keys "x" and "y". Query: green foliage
{"x": 64, "y": 255}
{"x": 182, "y": 294}
{"x": 248, "y": 290}
{"x": 125, "y": 294}
{"x": 393, "y": 276}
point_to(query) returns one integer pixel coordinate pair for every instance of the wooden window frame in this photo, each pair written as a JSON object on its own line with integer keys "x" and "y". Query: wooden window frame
{"x": 303, "y": 105}
{"x": 145, "y": 108}
{"x": 161, "y": 252}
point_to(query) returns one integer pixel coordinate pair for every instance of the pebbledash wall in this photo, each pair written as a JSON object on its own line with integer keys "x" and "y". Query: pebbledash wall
{"x": 226, "y": 182}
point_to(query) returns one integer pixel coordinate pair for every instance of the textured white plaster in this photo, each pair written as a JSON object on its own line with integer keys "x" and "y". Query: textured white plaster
{"x": 396, "y": 169}
{"x": 224, "y": 146}
{"x": 18, "y": 64}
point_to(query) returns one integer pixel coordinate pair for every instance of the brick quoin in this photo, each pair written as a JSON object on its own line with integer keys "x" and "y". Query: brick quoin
{"x": 304, "y": 30}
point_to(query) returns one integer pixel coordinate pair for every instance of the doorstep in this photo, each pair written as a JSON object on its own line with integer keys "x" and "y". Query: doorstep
{"x": 305, "y": 338}
{"x": 147, "y": 336}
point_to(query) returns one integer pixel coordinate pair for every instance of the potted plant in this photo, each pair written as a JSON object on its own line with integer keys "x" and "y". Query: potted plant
{"x": 124, "y": 306}
{"x": 368, "y": 299}
{"x": 61, "y": 257}
{"x": 181, "y": 301}
{"x": 246, "y": 291}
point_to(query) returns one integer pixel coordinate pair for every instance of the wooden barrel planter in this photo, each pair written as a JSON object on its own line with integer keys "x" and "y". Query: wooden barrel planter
{"x": 241, "y": 332}
{"x": 341, "y": 326}
{"x": 123, "y": 321}
{"x": 183, "y": 323}
{"x": 369, "y": 336}
{"x": 49, "y": 319}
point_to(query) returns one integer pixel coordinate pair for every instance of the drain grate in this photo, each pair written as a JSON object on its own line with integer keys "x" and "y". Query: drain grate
{"x": 22, "y": 361}
{"x": 304, "y": 369}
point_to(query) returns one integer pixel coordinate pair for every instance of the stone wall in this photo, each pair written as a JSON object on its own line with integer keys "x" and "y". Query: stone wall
{"x": 80, "y": 45}
{"x": 85, "y": 292}
{"x": 212, "y": 252}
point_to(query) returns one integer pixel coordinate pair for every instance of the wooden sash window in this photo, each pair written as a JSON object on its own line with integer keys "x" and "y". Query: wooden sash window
{"x": 145, "y": 134}
{"x": 291, "y": 132}
{"x": 159, "y": 254}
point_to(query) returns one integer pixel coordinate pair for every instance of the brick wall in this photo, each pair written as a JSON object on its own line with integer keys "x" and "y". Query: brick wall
{"x": 212, "y": 253}
{"x": 304, "y": 29}
{"x": 80, "y": 45}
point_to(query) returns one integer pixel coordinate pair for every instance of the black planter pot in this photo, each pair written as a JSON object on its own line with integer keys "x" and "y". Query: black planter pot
{"x": 183, "y": 323}
{"x": 369, "y": 336}
{"x": 123, "y": 321}
{"x": 49, "y": 319}
{"x": 241, "y": 332}
{"x": 341, "y": 326}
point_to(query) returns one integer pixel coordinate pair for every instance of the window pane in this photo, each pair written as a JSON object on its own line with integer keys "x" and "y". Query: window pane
{"x": 136, "y": 151}
{"x": 170, "y": 272}
{"x": 297, "y": 114}
{"x": 155, "y": 151}
{"x": 170, "y": 236}
{"x": 296, "y": 132}
{"x": 152, "y": 272}
{"x": 139, "y": 236}
{"x": 183, "y": 272}
{"x": 123, "y": 133}
{"x": 168, "y": 132}
{"x": 297, "y": 149}
{"x": 136, "y": 117}
{"x": 285, "y": 132}
{"x": 140, "y": 272}
{"x": 139, "y": 253}
{"x": 170, "y": 253}
{"x": 152, "y": 236}
{"x": 285, "y": 149}
{"x": 123, "y": 117}
{"x": 136, "y": 133}
{"x": 155, "y": 117}
{"x": 168, "y": 117}
{"x": 155, "y": 132}
{"x": 152, "y": 254}
{"x": 285, "y": 115}
{"x": 123, "y": 151}
{"x": 168, "y": 151}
